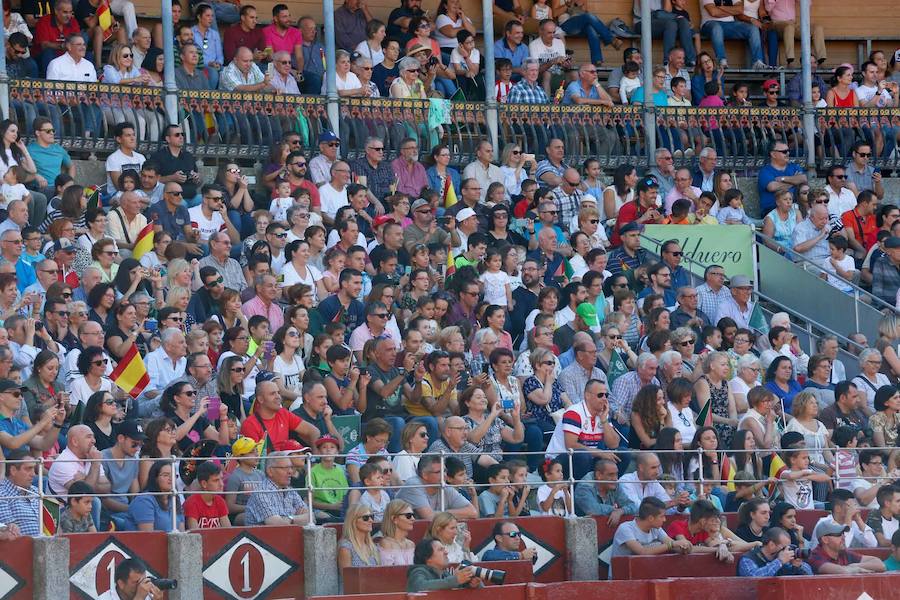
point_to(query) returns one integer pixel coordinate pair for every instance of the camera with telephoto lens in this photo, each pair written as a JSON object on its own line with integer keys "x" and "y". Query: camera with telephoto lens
{"x": 495, "y": 576}
{"x": 165, "y": 584}
{"x": 801, "y": 553}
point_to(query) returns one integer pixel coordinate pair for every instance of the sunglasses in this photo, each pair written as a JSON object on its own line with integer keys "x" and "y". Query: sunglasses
{"x": 839, "y": 176}
{"x": 298, "y": 164}
{"x": 380, "y": 315}
{"x": 687, "y": 343}
{"x": 366, "y": 518}
{"x": 512, "y": 534}
{"x": 424, "y": 435}
{"x": 603, "y": 394}
{"x": 333, "y": 144}
{"x": 111, "y": 252}
{"x": 215, "y": 282}
{"x": 51, "y": 130}
{"x": 100, "y": 363}
{"x": 408, "y": 515}
{"x": 594, "y": 221}
{"x": 175, "y": 192}
{"x": 237, "y": 369}
{"x": 547, "y": 363}
{"x": 190, "y": 393}
{"x": 176, "y": 319}
{"x": 863, "y": 154}
{"x": 516, "y": 152}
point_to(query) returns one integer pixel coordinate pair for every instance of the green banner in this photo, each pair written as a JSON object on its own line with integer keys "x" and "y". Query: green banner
{"x": 348, "y": 428}
{"x": 728, "y": 245}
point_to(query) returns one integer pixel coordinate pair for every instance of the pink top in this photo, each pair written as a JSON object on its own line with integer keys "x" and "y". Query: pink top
{"x": 286, "y": 43}
{"x": 781, "y": 10}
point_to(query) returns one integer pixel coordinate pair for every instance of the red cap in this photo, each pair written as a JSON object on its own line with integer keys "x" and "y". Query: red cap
{"x": 290, "y": 446}
{"x": 327, "y": 439}
{"x": 770, "y": 83}
{"x": 381, "y": 220}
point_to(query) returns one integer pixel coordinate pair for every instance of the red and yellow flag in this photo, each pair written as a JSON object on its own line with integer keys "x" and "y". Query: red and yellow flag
{"x": 449, "y": 193}
{"x": 105, "y": 19}
{"x": 776, "y": 468}
{"x": 451, "y": 263}
{"x": 144, "y": 242}
{"x": 131, "y": 374}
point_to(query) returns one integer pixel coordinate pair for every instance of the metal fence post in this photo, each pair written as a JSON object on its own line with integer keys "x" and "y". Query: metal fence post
{"x": 4, "y": 78}
{"x": 647, "y": 53}
{"x": 331, "y": 95}
{"x": 171, "y": 94}
{"x": 40, "y": 488}
{"x": 571, "y": 452}
{"x": 309, "y": 490}
{"x": 491, "y": 115}
{"x": 444, "y": 483}
{"x": 809, "y": 111}
{"x": 173, "y": 501}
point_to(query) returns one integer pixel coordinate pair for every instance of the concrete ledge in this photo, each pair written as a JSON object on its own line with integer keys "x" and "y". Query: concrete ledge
{"x": 320, "y": 570}
{"x": 51, "y": 568}
{"x": 186, "y": 565}
{"x": 581, "y": 549}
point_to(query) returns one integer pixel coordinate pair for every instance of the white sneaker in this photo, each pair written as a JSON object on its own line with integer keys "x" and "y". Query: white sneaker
{"x": 760, "y": 66}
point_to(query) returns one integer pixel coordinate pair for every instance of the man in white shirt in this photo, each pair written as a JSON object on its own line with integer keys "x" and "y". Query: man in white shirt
{"x": 550, "y": 51}
{"x": 333, "y": 195}
{"x": 739, "y": 306}
{"x": 840, "y": 197}
{"x": 282, "y": 80}
{"x": 125, "y": 222}
{"x": 71, "y": 65}
{"x": 644, "y": 483}
{"x": 320, "y": 165}
{"x": 125, "y": 158}
{"x": 872, "y": 93}
{"x": 482, "y": 170}
{"x": 132, "y": 583}
{"x": 164, "y": 365}
{"x": 210, "y": 216}
{"x": 71, "y": 465}
{"x": 845, "y": 512}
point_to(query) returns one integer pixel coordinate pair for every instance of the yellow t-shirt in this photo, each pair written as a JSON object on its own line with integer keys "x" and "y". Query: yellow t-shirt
{"x": 429, "y": 389}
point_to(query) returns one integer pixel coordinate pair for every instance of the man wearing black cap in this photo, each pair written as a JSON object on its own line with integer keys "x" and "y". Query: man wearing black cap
{"x": 642, "y": 210}
{"x": 886, "y": 272}
{"x": 629, "y": 255}
{"x": 121, "y": 470}
{"x": 831, "y": 556}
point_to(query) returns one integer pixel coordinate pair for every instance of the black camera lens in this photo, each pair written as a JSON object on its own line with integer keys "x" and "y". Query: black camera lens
{"x": 165, "y": 584}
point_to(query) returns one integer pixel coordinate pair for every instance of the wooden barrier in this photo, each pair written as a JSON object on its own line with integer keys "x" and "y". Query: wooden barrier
{"x": 17, "y": 568}
{"x": 733, "y": 588}
{"x": 374, "y": 580}
{"x": 593, "y": 590}
{"x": 827, "y": 587}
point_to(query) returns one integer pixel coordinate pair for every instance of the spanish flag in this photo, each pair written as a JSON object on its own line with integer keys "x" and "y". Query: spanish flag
{"x": 727, "y": 473}
{"x": 451, "y": 264}
{"x": 449, "y": 193}
{"x": 131, "y": 374}
{"x": 144, "y": 242}
{"x": 50, "y": 508}
{"x": 776, "y": 468}
{"x": 105, "y": 19}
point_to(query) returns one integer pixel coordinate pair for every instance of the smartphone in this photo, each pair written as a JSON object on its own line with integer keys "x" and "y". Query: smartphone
{"x": 443, "y": 220}
{"x": 38, "y": 326}
{"x": 507, "y": 404}
{"x": 407, "y": 270}
{"x": 268, "y": 350}
{"x": 531, "y": 215}
{"x": 485, "y": 368}
{"x": 151, "y": 325}
{"x": 363, "y": 371}
{"x": 212, "y": 411}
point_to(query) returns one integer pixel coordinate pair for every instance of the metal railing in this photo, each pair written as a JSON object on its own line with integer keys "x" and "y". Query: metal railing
{"x": 244, "y": 125}
{"x": 568, "y": 457}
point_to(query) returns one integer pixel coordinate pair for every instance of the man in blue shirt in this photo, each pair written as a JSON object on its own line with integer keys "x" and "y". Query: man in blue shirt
{"x": 511, "y": 47}
{"x": 49, "y": 157}
{"x": 507, "y": 539}
{"x": 774, "y": 558}
{"x": 585, "y": 89}
{"x": 23, "y": 506}
{"x": 779, "y": 174}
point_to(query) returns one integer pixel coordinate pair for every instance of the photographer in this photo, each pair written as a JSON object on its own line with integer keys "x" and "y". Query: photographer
{"x": 429, "y": 570}
{"x": 132, "y": 583}
{"x": 775, "y": 558}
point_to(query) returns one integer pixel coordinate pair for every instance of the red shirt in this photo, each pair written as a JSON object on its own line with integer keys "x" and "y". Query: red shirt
{"x": 207, "y": 516}
{"x": 682, "y": 527}
{"x": 235, "y": 37}
{"x": 278, "y": 427}
{"x": 47, "y": 30}
{"x": 865, "y": 230}
{"x": 629, "y": 212}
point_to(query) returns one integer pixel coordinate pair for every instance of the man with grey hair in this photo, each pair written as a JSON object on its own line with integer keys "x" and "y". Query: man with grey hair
{"x": 663, "y": 171}
{"x": 671, "y": 365}
{"x": 141, "y": 41}
{"x": 219, "y": 258}
{"x": 528, "y": 90}
{"x": 46, "y": 276}
{"x": 373, "y": 171}
{"x": 688, "y": 313}
{"x": 705, "y": 175}
{"x": 273, "y": 503}
{"x": 584, "y": 368}
{"x": 89, "y": 278}
{"x": 810, "y": 237}
{"x": 283, "y": 81}
{"x": 16, "y": 218}
{"x": 454, "y": 441}
{"x": 126, "y": 222}
{"x": 828, "y": 346}
{"x": 242, "y": 74}
{"x": 482, "y": 169}
{"x": 626, "y": 387}
{"x": 11, "y": 248}
{"x": 90, "y": 333}
{"x": 586, "y": 90}
{"x": 165, "y": 364}
{"x": 263, "y": 303}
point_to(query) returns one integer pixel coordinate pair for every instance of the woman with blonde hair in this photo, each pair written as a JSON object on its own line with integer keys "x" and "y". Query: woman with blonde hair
{"x": 589, "y": 223}
{"x": 357, "y": 548}
{"x": 395, "y": 548}
{"x": 179, "y": 297}
{"x": 888, "y": 343}
{"x": 514, "y": 168}
{"x": 445, "y": 529}
{"x": 178, "y": 273}
{"x": 121, "y": 69}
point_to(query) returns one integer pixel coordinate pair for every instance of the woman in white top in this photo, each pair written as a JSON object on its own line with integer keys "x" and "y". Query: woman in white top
{"x": 620, "y": 192}
{"x": 805, "y": 409}
{"x": 371, "y": 46}
{"x": 870, "y": 379}
{"x": 514, "y": 169}
{"x": 92, "y": 364}
{"x": 451, "y": 20}
{"x": 288, "y": 364}
{"x": 122, "y": 69}
{"x": 96, "y": 229}
{"x": 746, "y": 377}
{"x": 348, "y": 84}
{"x": 414, "y": 441}
{"x": 297, "y": 271}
